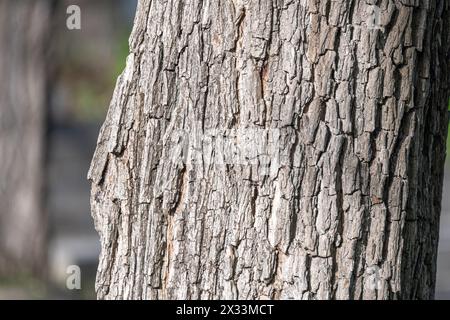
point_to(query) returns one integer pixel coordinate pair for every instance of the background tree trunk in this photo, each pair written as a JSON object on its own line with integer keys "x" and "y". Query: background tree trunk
{"x": 351, "y": 115}
{"x": 23, "y": 29}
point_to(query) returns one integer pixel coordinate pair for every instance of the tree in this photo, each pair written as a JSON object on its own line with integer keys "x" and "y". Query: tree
{"x": 275, "y": 149}
{"x": 23, "y": 31}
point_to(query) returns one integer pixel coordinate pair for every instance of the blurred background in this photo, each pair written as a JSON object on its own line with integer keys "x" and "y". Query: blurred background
{"x": 88, "y": 62}
{"x": 79, "y": 73}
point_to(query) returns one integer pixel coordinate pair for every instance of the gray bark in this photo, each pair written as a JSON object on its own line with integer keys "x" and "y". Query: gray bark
{"x": 23, "y": 30}
{"x": 275, "y": 149}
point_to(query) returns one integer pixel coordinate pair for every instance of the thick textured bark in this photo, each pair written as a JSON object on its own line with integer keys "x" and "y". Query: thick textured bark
{"x": 23, "y": 30}
{"x": 338, "y": 120}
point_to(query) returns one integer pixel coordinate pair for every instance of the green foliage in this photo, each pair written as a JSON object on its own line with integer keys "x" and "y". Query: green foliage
{"x": 121, "y": 53}
{"x": 93, "y": 91}
{"x": 25, "y": 285}
{"x": 90, "y": 100}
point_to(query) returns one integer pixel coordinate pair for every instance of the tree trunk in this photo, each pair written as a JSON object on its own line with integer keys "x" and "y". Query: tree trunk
{"x": 275, "y": 149}
{"x": 23, "y": 29}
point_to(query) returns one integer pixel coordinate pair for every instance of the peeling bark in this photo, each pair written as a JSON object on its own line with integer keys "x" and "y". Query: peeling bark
{"x": 23, "y": 34}
{"x": 345, "y": 123}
